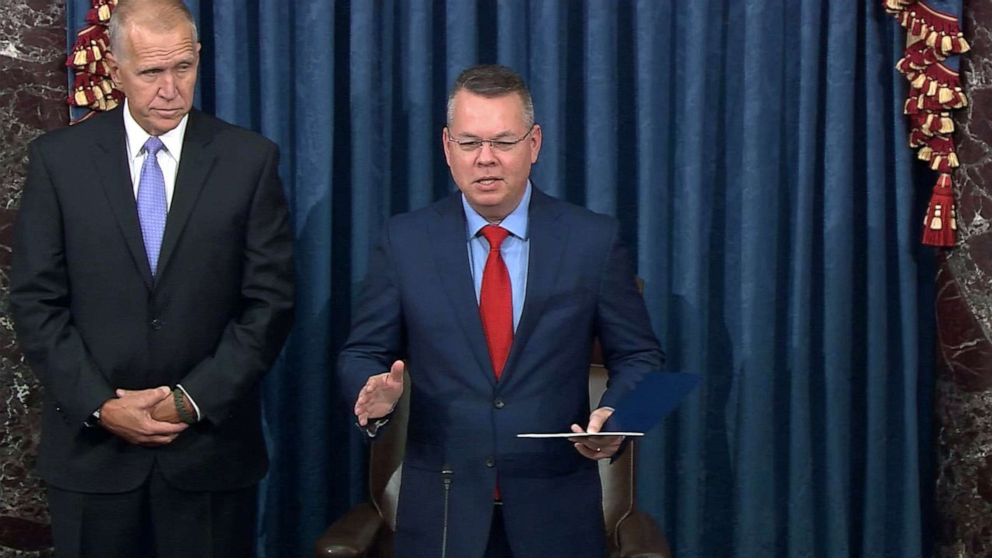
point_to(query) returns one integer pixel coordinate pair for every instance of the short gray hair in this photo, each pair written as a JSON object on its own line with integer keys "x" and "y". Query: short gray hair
{"x": 491, "y": 81}
{"x": 160, "y": 15}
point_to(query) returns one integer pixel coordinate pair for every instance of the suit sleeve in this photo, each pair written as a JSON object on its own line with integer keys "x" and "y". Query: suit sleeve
{"x": 630, "y": 347}
{"x": 251, "y": 341}
{"x": 377, "y": 332}
{"x": 40, "y": 299}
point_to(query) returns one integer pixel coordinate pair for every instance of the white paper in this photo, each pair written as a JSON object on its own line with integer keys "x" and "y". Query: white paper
{"x": 576, "y": 434}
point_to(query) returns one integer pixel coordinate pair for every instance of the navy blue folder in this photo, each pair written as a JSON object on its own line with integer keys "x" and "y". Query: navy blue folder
{"x": 642, "y": 408}
{"x": 654, "y": 397}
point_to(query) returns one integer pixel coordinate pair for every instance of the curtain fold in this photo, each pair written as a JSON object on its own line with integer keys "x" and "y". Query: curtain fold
{"x": 754, "y": 153}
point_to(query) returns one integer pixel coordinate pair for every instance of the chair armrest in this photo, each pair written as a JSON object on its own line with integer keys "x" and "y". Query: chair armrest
{"x": 639, "y": 537}
{"x": 352, "y": 535}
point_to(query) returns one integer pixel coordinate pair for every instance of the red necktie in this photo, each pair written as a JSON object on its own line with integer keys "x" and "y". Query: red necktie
{"x": 496, "y": 300}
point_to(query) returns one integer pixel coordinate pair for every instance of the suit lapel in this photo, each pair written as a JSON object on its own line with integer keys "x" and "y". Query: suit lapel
{"x": 547, "y": 240}
{"x": 194, "y": 166}
{"x": 110, "y": 159}
{"x": 448, "y": 244}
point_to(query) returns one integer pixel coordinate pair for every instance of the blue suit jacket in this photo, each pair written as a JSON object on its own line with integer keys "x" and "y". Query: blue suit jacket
{"x": 419, "y": 303}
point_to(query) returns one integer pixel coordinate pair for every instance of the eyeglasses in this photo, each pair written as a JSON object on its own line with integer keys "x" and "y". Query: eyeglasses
{"x": 470, "y": 145}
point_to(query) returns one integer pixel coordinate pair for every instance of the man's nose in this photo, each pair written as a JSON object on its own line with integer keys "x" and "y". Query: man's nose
{"x": 167, "y": 85}
{"x": 486, "y": 153}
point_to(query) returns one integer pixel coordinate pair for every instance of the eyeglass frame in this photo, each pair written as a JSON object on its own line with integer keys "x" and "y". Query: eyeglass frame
{"x": 505, "y": 146}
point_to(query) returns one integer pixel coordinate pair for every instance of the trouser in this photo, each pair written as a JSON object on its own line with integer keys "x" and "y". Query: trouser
{"x": 156, "y": 520}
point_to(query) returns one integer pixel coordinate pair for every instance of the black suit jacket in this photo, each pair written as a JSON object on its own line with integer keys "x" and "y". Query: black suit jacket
{"x": 90, "y": 318}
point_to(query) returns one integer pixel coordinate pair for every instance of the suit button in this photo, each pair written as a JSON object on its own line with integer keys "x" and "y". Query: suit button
{"x": 156, "y": 324}
{"x": 490, "y": 462}
{"x": 498, "y": 403}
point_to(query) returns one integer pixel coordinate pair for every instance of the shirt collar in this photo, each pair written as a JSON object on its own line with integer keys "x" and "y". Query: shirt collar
{"x": 137, "y": 136}
{"x": 516, "y": 222}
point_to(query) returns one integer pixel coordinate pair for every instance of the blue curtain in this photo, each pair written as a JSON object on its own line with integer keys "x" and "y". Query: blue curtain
{"x": 755, "y": 154}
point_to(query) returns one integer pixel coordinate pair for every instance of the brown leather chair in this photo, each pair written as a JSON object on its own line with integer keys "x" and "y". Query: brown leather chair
{"x": 367, "y": 529}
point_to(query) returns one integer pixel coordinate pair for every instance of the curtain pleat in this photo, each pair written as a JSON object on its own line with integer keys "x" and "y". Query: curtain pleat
{"x": 754, "y": 152}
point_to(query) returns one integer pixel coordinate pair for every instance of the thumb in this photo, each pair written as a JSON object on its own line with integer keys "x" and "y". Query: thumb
{"x": 152, "y": 396}
{"x": 597, "y": 419}
{"x": 396, "y": 371}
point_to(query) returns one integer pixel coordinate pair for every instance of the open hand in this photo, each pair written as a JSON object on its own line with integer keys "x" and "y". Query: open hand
{"x": 381, "y": 392}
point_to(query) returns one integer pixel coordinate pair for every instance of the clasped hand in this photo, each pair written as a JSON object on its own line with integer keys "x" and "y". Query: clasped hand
{"x": 379, "y": 396}
{"x": 141, "y": 417}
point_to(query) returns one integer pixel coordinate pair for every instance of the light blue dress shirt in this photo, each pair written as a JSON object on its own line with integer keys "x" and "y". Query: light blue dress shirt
{"x": 515, "y": 250}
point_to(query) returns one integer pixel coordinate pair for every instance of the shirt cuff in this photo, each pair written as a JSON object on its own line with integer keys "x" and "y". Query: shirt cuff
{"x": 191, "y": 402}
{"x": 93, "y": 420}
{"x": 371, "y": 429}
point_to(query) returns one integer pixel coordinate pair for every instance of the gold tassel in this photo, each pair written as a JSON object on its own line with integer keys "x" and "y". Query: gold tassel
{"x": 946, "y": 125}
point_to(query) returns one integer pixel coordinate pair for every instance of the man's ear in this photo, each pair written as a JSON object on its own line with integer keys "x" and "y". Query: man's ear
{"x": 446, "y": 145}
{"x": 115, "y": 68}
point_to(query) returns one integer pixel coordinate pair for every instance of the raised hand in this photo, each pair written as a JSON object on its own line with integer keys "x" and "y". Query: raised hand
{"x": 381, "y": 392}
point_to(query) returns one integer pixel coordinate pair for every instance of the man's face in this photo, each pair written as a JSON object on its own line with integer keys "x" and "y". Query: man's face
{"x": 492, "y": 180}
{"x": 157, "y": 73}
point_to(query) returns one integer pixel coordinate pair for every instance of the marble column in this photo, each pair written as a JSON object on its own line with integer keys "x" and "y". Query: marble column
{"x": 32, "y": 100}
{"x": 964, "y": 318}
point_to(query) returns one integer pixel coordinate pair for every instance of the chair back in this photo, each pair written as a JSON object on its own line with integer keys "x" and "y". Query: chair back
{"x": 386, "y": 463}
{"x": 618, "y": 477}
{"x": 386, "y": 460}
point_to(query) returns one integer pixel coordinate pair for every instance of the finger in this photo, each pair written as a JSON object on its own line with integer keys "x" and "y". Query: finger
{"x": 592, "y": 444}
{"x": 162, "y": 438}
{"x": 615, "y": 442}
{"x": 164, "y": 428}
{"x": 145, "y": 397}
{"x": 363, "y": 419}
{"x": 586, "y": 451}
{"x": 577, "y": 428}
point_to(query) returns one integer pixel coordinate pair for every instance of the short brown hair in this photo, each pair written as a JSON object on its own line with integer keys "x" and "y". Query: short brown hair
{"x": 492, "y": 80}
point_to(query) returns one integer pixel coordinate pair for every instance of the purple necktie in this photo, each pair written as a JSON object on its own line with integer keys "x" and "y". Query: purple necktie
{"x": 152, "y": 206}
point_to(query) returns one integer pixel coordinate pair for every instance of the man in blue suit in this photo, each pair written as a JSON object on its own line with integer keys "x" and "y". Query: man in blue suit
{"x": 494, "y": 297}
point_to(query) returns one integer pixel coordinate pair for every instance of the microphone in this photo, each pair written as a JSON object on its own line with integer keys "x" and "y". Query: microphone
{"x": 446, "y": 479}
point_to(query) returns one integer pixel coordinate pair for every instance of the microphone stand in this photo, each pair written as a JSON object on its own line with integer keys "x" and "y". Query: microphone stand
{"x": 446, "y": 479}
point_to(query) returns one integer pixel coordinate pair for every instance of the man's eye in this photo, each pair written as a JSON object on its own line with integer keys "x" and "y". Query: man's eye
{"x": 504, "y": 145}
{"x": 470, "y": 145}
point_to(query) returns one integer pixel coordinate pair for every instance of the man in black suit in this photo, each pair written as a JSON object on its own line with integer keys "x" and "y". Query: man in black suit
{"x": 151, "y": 289}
